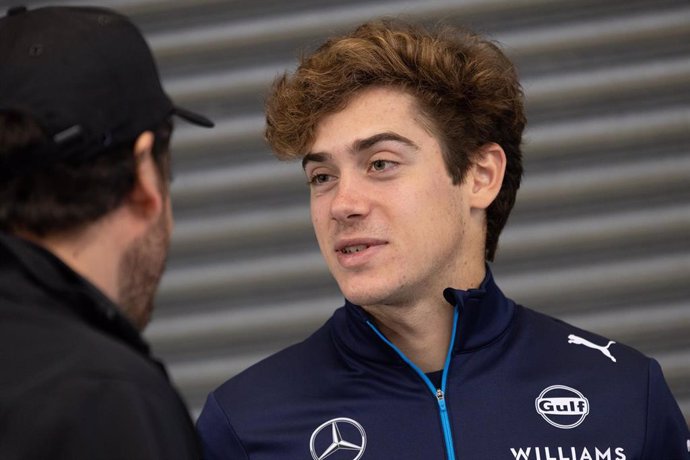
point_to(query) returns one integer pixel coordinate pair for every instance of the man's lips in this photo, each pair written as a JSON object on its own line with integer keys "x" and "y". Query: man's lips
{"x": 353, "y": 246}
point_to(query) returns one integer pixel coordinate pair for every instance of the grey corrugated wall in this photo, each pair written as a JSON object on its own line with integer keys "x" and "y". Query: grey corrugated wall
{"x": 600, "y": 235}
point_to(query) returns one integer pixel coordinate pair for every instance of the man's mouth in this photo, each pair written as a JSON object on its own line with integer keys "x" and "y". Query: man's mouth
{"x": 354, "y": 249}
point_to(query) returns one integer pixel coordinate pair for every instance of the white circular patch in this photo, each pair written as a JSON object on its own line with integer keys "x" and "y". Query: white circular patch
{"x": 688, "y": 445}
{"x": 562, "y": 406}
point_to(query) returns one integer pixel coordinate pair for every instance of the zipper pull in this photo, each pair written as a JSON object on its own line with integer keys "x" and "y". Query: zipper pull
{"x": 440, "y": 397}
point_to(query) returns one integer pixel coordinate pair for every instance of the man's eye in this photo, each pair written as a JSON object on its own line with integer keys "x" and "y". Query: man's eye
{"x": 317, "y": 179}
{"x": 381, "y": 165}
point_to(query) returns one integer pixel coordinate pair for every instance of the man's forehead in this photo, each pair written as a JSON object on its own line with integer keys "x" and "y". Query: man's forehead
{"x": 368, "y": 113}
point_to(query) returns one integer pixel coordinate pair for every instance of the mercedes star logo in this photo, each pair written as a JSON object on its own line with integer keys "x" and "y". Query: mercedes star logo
{"x": 334, "y": 441}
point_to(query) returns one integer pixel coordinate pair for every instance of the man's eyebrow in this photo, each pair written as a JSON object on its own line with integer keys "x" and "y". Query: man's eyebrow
{"x": 317, "y": 157}
{"x": 367, "y": 143}
{"x": 360, "y": 145}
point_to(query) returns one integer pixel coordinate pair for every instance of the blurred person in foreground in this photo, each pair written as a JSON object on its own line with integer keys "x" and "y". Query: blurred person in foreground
{"x": 85, "y": 222}
{"x": 410, "y": 141}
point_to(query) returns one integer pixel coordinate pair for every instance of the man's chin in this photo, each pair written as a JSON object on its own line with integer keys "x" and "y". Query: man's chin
{"x": 141, "y": 269}
{"x": 367, "y": 295}
{"x": 144, "y": 317}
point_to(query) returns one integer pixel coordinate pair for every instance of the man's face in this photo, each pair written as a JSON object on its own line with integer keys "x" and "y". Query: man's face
{"x": 141, "y": 268}
{"x": 388, "y": 219}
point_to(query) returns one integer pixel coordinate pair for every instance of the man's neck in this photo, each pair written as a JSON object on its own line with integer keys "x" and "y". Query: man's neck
{"x": 421, "y": 332}
{"x": 422, "y": 329}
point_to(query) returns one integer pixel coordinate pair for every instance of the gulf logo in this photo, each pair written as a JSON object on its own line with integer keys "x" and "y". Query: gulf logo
{"x": 562, "y": 406}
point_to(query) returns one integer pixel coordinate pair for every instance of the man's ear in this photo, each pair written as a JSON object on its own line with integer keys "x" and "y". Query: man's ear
{"x": 145, "y": 198}
{"x": 485, "y": 176}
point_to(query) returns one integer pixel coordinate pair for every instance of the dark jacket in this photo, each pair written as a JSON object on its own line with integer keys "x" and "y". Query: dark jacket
{"x": 76, "y": 379}
{"x": 516, "y": 385}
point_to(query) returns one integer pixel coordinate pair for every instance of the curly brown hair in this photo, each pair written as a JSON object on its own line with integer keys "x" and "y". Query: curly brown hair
{"x": 466, "y": 89}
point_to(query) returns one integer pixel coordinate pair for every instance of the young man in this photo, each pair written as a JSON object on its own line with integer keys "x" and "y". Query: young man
{"x": 410, "y": 141}
{"x": 85, "y": 221}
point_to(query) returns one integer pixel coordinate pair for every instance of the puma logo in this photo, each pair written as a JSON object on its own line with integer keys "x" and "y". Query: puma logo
{"x": 580, "y": 341}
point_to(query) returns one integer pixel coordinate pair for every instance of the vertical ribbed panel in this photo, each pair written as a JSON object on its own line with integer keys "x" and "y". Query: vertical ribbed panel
{"x": 600, "y": 233}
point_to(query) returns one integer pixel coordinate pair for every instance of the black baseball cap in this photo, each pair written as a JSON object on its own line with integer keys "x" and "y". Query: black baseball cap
{"x": 87, "y": 76}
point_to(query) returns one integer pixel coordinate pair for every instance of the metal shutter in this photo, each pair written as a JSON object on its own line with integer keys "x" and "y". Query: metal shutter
{"x": 600, "y": 233}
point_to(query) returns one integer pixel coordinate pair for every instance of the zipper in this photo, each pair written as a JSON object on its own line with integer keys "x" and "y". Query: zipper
{"x": 438, "y": 393}
{"x": 445, "y": 422}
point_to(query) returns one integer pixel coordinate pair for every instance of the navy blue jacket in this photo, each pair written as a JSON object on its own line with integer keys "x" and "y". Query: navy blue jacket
{"x": 517, "y": 385}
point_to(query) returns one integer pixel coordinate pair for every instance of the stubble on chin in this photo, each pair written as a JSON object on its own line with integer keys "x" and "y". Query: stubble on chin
{"x": 141, "y": 268}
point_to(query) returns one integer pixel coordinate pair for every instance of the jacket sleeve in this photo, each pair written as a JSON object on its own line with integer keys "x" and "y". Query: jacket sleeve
{"x": 218, "y": 438}
{"x": 667, "y": 431}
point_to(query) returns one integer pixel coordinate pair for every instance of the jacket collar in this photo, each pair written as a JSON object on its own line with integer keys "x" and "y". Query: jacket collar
{"x": 484, "y": 314}
{"x": 45, "y": 281}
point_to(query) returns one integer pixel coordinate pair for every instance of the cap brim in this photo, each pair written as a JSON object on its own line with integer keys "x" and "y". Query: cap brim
{"x": 192, "y": 117}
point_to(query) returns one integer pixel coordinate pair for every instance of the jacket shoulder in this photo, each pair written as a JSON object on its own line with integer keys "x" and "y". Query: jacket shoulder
{"x": 565, "y": 340}
{"x": 292, "y": 369}
{"x": 61, "y": 380}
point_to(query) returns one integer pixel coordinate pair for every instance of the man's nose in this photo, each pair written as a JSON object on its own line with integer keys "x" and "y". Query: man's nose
{"x": 351, "y": 200}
